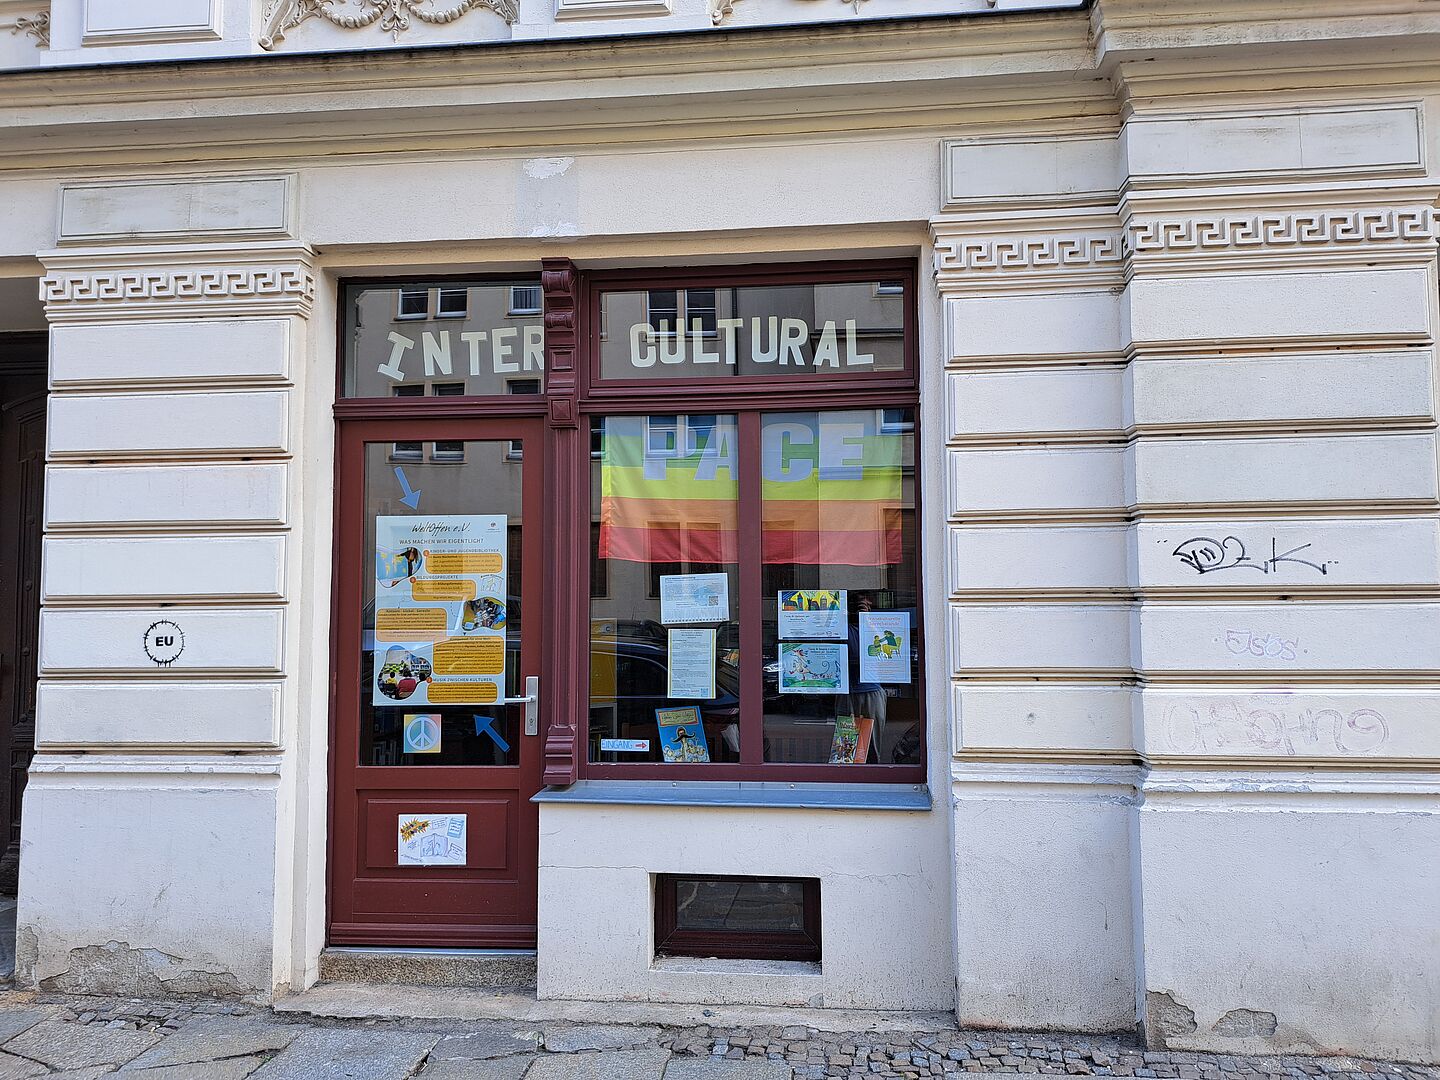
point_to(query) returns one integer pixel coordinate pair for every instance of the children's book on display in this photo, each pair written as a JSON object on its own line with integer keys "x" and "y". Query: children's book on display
{"x": 682, "y": 736}
{"x": 852, "y": 740}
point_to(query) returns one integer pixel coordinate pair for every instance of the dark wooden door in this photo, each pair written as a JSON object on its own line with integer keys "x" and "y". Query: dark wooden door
{"x": 438, "y": 609}
{"x": 22, "y": 482}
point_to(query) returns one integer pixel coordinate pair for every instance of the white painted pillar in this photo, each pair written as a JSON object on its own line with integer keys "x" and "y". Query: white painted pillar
{"x": 1044, "y": 774}
{"x": 174, "y": 772}
{"x": 1280, "y": 318}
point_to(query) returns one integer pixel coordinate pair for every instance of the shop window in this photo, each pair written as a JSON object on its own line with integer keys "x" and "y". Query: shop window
{"x": 831, "y": 331}
{"x": 835, "y": 608}
{"x": 420, "y": 333}
{"x": 757, "y": 918}
{"x": 452, "y": 304}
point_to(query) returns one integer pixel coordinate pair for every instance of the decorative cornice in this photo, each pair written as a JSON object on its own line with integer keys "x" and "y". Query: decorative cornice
{"x": 207, "y": 283}
{"x": 393, "y": 16}
{"x": 1028, "y": 252}
{"x": 1075, "y": 257}
{"x": 1271, "y": 231}
{"x": 36, "y": 26}
{"x": 160, "y": 284}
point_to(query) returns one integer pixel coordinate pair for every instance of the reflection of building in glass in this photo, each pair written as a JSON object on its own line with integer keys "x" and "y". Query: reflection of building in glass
{"x": 751, "y": 330}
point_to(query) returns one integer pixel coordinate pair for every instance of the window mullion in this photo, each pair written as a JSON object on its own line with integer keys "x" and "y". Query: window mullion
{"x": 748, "y": 532}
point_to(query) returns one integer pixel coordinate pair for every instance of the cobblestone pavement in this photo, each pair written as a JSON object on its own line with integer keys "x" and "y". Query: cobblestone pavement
{"x": 87, "y": 1038}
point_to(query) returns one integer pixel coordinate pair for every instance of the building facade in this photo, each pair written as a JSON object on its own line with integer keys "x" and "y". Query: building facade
{"x": 881, "y": 505}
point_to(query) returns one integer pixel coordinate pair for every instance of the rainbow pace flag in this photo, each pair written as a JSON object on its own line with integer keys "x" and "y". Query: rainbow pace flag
{"x": 832, "y": 487}
{"x": 668, "y": 489}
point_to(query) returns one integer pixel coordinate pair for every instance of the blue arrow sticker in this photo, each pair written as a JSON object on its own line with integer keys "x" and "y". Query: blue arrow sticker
{"x": 485, "y": 725}
{"x": 410, "y": 498}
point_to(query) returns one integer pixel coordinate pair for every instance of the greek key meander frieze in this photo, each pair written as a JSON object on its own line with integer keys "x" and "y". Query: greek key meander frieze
{"x": 1260, "y": 232}
{"x": 1030, "y": 253}
{"x": 1282, "y": 230}
{"x": 393, "y": 16}
{"x": 199, "y": 284}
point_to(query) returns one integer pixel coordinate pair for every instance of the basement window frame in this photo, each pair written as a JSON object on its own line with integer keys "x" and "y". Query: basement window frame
{"x": 670, "y": 941}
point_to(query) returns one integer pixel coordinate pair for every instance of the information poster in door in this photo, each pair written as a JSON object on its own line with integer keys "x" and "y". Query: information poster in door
{"x": 440, "y": 593}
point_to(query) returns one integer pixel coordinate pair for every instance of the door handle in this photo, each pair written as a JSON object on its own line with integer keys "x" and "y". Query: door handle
{"x": 531, "y": 701}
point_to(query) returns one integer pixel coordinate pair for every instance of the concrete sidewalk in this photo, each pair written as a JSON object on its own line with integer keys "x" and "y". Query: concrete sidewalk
{"x": 87, "y": 1038}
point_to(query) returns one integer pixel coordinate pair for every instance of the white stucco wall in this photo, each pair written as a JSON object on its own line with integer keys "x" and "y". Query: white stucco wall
{"x": 1162, "y": 796}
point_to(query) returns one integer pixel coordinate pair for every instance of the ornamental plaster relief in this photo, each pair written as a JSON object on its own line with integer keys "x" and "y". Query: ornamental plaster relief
{"x": 98, "y": 285}
{"x": 1028, "y": 253}
{"x": 393, "y": 16}
{"x": 208, "y": 283}
{"x": 35, "y": 26}
{"x": 1072, "y": 258}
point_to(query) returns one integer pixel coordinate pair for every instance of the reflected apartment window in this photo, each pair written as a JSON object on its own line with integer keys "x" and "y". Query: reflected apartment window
{"x": 408, "y": 451}
{"x": 452, "y": 304}
{"x": 519, "y": 388}
{"x": 448, "y": 451}
{"x": 413, "y": 304}
{"x": 525, "y": 300}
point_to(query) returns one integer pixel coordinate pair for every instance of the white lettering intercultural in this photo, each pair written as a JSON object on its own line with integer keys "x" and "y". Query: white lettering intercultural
{"x": 773, "y": 340}
{"x": 438, "y": 359}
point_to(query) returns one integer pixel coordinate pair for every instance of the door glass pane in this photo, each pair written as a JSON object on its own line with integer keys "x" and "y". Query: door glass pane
{"x": 840, "y": 607}
{"x": 473, "y": 337}
{"x": 664, "y": 608}
{"x": 442, "y": 607}
{"x": 835, "y": 330}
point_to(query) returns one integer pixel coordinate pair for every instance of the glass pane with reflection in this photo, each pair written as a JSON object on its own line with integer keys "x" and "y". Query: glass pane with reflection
{"x": 833, "y": 330}
{"x": 664, "y": 603}
{"x": 437, "y": 338}
{"x": 840, "y": 605}
{"x": 447, "y": 646}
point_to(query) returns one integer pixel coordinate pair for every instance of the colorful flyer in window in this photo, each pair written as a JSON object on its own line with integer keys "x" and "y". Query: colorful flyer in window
{"x": 691, "y": 671}
{"x": 694, "y": 598}
{"x": 852, "y": 740}
{"x": 682, "y": 736}
{"x": 885, "y": 646}
{"x": 432, "y": 840}
{"x": 812, "y": 613}
{"x": 440, "y": 589}
{"x": 814, "y": 667}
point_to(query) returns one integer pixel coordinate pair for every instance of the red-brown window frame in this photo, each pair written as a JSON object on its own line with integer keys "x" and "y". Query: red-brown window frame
{"x": 803, "y": 944}
{"x": 746, "y": 397}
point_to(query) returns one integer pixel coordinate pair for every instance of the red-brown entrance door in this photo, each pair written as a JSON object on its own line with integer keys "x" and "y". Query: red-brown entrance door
{"x": 433, "y": 837}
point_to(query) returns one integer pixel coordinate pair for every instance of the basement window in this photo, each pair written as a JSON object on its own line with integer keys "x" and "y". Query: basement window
{"x": 737, "y": 918}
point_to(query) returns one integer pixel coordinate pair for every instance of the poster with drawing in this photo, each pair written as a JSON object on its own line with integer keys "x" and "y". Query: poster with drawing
{"x": 431, "y": 840}
{"x": 885, "y": 646}
{"x": 440, "y": 591}
{"x": 812, "y": 613}
{"x": 814, "y": 667}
